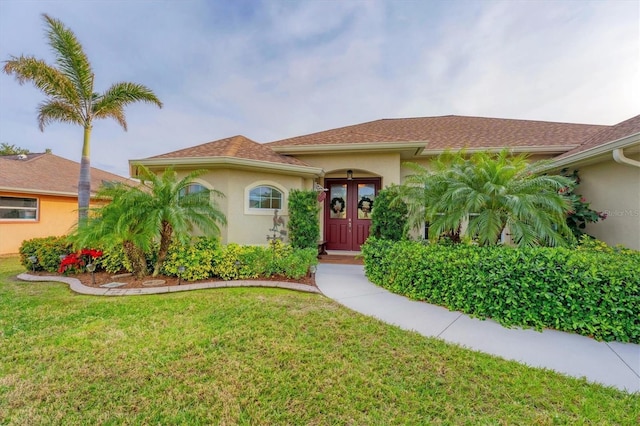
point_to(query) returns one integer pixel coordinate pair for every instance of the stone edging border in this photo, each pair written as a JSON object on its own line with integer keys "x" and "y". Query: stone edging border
{"x": 78, "y": 287}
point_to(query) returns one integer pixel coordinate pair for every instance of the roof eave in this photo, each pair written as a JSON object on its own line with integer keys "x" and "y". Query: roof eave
{"x": 596, "y": 151}
{"x": 41, "y": 192}
{"x": 233, "y": 162}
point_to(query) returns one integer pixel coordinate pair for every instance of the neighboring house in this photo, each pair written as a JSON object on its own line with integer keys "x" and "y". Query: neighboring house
{"x": 39, "y": 197}
{"x": 353, "y": 163}
{"x": 608, "y": 164}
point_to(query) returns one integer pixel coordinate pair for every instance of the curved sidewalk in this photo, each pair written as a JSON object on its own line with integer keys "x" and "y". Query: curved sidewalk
{"x": 609, "y": 363}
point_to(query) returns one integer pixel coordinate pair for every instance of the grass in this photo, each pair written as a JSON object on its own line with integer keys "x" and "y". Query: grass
{"x": 258, "y": 356}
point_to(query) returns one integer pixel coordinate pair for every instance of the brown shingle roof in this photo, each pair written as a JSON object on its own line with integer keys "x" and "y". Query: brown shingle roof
{"x": 47, "y": 173}
{"x": 454, "y": 132}
{"x": 613, "y": 133}
{"x": 235, "y": 147}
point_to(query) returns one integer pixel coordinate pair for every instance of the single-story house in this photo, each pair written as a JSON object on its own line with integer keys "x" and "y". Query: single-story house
{"x": 39, "y": 196}
{"x": 354, "y": 162}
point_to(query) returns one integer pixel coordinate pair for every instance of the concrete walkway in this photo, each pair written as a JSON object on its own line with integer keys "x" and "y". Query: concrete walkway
{"x": 612, "y": 364}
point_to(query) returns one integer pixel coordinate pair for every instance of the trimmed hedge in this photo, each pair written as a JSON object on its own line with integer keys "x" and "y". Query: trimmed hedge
{"x": 590, "y": 292}
{"x": 47, "y": 251}
{"x": 304, "y": 225}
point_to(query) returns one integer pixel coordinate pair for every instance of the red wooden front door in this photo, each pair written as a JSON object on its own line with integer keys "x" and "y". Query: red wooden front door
{"x": 347, "y": 212}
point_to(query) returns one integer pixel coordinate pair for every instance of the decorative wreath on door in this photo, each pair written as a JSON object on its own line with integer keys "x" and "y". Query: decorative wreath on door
{"x": 365, "y": 204}
{"x": 337, "y": 204}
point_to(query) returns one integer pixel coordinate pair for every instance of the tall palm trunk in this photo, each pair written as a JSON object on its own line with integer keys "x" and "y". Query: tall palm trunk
{"x": 165, "y": 240}
{"x": 84, "y": 181}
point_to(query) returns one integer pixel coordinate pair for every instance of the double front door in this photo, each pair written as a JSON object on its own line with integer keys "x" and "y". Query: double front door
{"x": 347, "y": 212}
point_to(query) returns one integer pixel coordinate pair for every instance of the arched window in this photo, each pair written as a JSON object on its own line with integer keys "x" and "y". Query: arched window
{"x": 265, "y": 197}
{"x": 192, "y": 188}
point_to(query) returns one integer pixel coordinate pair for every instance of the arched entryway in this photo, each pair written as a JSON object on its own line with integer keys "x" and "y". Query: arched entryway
{"x": 347, "y": 212}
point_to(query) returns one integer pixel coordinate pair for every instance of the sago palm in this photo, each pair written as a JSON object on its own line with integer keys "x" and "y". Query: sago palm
{"x": 70, "y": 97}
{"x": 489, "y": 193}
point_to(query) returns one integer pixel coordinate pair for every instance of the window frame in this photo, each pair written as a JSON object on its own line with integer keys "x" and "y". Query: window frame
{"x": 36, "y": 209}
{"x": 260, "y": 211}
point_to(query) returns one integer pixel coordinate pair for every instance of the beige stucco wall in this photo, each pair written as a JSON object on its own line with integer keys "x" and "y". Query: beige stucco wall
{"x": 613, "y": 188}
{"x": 385, "y": 165}
{"x": 57, "y": 215}
{"x": 244, "y": 225}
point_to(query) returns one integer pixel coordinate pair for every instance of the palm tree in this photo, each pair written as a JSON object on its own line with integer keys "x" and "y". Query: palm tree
{"x": 173, "y": 211}
{"x": 70, "y": 96}
{"x": 159, "y": 209}
{"x": 489, "y": 193}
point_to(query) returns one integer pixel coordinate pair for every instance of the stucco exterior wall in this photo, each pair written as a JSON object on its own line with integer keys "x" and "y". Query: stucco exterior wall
{"x": 385, "y": 165}
{"x": 613, "y": 188}
{"x": 245, "y": 226}
{"x": 56, "y": 216}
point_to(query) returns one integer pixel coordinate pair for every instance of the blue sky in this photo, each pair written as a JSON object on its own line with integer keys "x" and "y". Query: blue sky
{"x": 275, "y": 69}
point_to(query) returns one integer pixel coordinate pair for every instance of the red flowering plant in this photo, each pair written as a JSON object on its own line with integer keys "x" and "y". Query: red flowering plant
{"x": 75, "y": 262}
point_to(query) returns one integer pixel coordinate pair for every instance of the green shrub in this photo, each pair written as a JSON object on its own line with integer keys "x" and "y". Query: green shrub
{"x": 198, "y": 259}
{"x": 589, "y": 292}
{"x": 245, "y": 262}
{"x": 47, "y": 250}
{"x": 114, "y": 260}
{"x": 304, "y": 225}
{"x": 389, "y": 217}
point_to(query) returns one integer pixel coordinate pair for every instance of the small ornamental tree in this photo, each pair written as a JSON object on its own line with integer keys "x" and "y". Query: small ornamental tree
{"x": 304, "y": 225}
{"x": 489, "y": 193}
{"x": 580, "y": 213}
{"x": 389, "y": 217}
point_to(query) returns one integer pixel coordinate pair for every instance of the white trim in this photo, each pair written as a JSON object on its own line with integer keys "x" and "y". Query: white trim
{"x": 265, "y": 212}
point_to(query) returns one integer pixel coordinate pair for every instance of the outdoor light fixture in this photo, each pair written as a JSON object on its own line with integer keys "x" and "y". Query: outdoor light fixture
{"x": 313, "y": 269}
{"x": 349, "y": 174}
{"x": 181, "y": 269}
{"x": 33, "y": 261}
{"x": 91, "y": 267}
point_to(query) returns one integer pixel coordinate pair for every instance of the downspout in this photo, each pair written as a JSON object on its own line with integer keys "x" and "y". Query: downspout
{"x": 619, "y": 157}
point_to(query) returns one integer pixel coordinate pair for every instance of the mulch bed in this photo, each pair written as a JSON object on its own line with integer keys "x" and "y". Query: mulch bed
{"x": 130, "y": 281}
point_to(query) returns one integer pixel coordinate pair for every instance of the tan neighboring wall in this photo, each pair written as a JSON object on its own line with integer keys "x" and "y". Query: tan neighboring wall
{"x": 613, "y": 188}
{"x": 57, "y": 216}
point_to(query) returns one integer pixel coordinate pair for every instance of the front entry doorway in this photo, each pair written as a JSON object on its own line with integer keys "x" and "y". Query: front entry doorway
{"x": 347, "y": 212}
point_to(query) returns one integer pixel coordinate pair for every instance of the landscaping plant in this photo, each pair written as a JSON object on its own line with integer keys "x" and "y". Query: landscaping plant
{"x": 484, "y": 194}
{"x": 156, "y": 211}
{"x": 389, "y": 218}
{"x": 584, "y": 291}
{"x": 304, "y": 225}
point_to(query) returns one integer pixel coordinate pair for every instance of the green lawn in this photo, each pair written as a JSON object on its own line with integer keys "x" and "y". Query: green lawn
{"x": 257, "y": 356}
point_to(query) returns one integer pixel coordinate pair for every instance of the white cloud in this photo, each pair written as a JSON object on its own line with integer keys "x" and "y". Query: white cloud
{"x": 274, "y": 69}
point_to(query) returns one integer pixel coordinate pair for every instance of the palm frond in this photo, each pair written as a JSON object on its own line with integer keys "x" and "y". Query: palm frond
{"x": 70, "y": 56}
{"x": 120, "y": 95}
{"x": 44, "y": 77}
{"x": 54, "y": 110}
